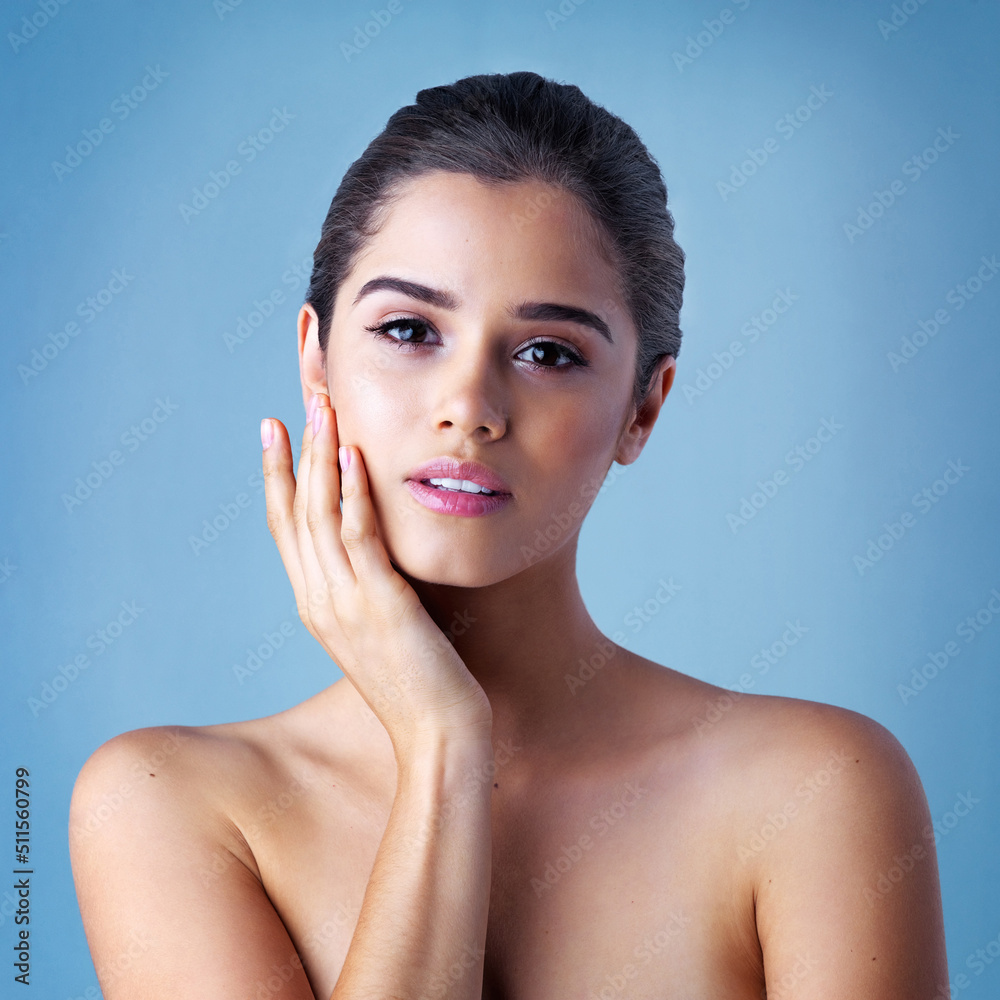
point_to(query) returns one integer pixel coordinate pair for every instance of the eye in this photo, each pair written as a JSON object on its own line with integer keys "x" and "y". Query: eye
{"x": 540, "y": 352}
{"x": 408, "y": 333}
{"x": 412, "y": 330}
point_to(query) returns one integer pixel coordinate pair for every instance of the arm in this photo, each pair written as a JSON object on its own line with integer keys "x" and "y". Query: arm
{"x": 173, "y": 906}
{"x": 848, "y": 900}
{"x": 138, "y": 865}
{"x": 426, "y": 905}
{"x": 422, "y": 924}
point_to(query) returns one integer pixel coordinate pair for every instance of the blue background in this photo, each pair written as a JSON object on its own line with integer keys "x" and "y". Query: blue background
{"x": 66, "y": 569}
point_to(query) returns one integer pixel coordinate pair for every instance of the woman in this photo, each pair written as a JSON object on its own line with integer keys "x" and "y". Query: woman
{"x": 496, "y": 800}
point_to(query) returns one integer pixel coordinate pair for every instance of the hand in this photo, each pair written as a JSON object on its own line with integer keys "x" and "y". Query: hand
{"x": 349, "y": 596}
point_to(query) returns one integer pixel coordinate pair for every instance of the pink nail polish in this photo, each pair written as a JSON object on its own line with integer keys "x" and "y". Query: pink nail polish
{"x": 317, "y": 419}
{"x": 345, "y": 458}
{"x": 311, "y": 407}
{"x": 266, "y": 433}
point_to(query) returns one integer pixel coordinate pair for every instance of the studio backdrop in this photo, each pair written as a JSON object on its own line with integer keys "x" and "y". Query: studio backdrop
{"x": 815, "y": 514}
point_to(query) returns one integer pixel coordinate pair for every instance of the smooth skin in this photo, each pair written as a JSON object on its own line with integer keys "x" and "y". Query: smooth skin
{"x": 451, "y": 818}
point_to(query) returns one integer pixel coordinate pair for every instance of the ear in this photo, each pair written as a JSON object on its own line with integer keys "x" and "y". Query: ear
{"x": 635, "y": 435}
{"x": 312, "y": 370}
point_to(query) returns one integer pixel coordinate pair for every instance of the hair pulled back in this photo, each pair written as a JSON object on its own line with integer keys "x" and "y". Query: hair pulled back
{"x": 516, "y": 127}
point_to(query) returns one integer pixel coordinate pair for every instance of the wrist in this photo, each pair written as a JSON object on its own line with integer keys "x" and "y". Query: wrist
{"x": 438, "y": 732}
{"x": 447, "y": 758}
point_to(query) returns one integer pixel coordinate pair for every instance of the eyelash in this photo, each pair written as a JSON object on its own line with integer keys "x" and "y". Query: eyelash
{"x": 380, "y": 331}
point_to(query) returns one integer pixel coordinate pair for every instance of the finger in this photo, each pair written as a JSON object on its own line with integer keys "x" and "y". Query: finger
{"x": 364, "y": 548}
{"x": 323, "y": 517}
{"x": 279, "y": 497}
{"x": 317, "y": 591}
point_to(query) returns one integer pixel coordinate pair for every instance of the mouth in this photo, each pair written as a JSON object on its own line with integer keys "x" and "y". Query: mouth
{"x": 457, "y": 475}
{"x": 459, "y": 486}
{"x": 461, "y": 503}
{"x": 464, "y": 488}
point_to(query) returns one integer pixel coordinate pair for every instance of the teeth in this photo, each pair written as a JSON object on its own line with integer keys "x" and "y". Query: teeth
{"x": 459, "y": 484}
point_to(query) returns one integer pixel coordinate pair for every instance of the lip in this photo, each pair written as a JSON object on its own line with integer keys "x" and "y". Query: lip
{"x": 461, "y": 504}
{"x": 451, "y": 468}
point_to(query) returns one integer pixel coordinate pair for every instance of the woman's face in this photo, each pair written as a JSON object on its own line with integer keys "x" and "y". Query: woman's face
{"x": 473, "y": 362}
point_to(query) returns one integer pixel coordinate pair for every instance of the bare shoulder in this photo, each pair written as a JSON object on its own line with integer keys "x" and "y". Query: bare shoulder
{"x": 144, "y": 787}
{"x": 840, "y": 774}
{"x": 851, "y": 771}
{"x": 140, "y": 753}
{"x": 819, "y": 814}
{"x": 831, "y": 827}
{"x": 789, "y": 733}
{"x": 162, "y": 866}
{"x": 768, "y": 737}
{"x": 180, "y": 768}
{"x": 788, "y": 758}
{"x": 767, "y": 757}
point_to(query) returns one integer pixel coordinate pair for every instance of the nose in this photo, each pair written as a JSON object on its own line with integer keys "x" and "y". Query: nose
{"x": 469, "y": 398}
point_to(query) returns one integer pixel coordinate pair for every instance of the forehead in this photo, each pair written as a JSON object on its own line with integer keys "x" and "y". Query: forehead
{"x": 525, "y": 239}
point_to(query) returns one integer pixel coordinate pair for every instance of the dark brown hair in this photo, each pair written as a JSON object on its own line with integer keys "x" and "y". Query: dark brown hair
{"x": 515, "y": 127}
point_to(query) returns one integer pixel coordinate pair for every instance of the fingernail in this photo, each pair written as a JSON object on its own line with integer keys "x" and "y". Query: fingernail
{"x": 311, "y": 408}
{"x": 266, "y": 433}
{"x": 317, "y": 419}
{"x": 345, "y": 458}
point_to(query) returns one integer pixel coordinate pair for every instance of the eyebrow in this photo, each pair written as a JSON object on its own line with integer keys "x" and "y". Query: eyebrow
{"x": 537, "y": 311}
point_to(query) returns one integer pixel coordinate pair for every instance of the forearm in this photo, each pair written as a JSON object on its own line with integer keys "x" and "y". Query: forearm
{"x": 425, "y": 909}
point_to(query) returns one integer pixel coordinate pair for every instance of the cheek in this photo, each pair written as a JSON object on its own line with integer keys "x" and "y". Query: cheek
{"x": 375, "y": 414}
{"x": 576, "y": 443}
{"x": 371, "y": 409}
{"x": 570, "y": 451}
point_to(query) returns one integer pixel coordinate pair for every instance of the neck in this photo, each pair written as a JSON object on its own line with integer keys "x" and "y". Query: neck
{"x": 521, "y": 638}
{"x": 533, "y": 647}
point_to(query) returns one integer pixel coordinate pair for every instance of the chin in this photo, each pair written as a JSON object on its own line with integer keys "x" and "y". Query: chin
{"x": 448, "y": 570}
